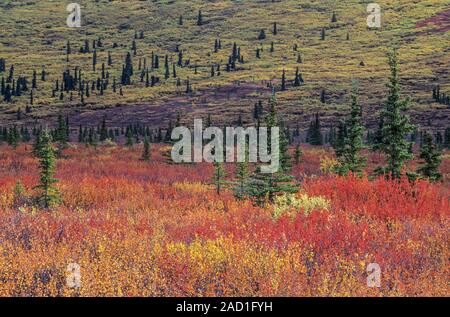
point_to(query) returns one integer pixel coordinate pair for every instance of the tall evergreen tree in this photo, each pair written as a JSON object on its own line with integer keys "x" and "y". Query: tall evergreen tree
{"x": 49, "y": 194}
{"x": 263, "y": 187}
{"x": 219, "y": 173}
{"x": 396, "y": 125}
{"x": 146, "y": 149}
{"x": 350, "y": 159}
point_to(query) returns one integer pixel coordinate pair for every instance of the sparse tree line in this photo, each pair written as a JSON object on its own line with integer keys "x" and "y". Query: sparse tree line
{"x": 440, "y": 97}
{"x": 77, "y": 82}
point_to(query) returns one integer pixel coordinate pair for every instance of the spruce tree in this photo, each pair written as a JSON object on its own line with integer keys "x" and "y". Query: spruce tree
{"x": 219, "y": 173}
{"x": 49, "y": 194}
{"x": 200, "y": 18}
{"x": 146, "y": 149}
{"x": 283, "y": 81}
{"x": 129, "y": 138}
{"x": 263, "y": 187}
{"x": 431, "y": 156}
{"x": 396, "y": 125}
{"x": 262, "y": 35}
{"x": 350, "y": 159}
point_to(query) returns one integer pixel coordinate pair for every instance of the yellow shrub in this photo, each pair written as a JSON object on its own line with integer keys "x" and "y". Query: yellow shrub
{"x": 328, "y": 164}
{"x": 292, "y": 204}
{"x": 191, "y": 187}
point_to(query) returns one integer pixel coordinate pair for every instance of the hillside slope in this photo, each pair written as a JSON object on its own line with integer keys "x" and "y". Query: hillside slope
{"x": 34, "y": 36}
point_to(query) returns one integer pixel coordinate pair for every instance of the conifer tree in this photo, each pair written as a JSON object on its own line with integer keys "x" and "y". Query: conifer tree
{"x": 396, "y": 125}
{"x": 219, "y": 173}
{"x": 431, "y": 156}
{"x": 315, "y": 133}
{"x": 263, "y": 187}
{"x": 103, "y": 130}
{"x": 349, "y": 158}
{"x": 262, "y": 35}
{"x": 334, "y": 18}
{"x": 283, "y": 81}
{"x": 49, "y": 194}
{"x": 146, "y": 149}
{"x": 94, "y": 60}
{"x": 129, "y": 138}
{"x": 242, "y": 177}
{"x": 200, "y": 18}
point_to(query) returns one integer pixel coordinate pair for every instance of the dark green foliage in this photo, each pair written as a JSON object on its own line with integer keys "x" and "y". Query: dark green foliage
{"x": 262, "y": 35}
{"x": 396, "y": 126}
{"x": 146, "y": 150}
{"x": 350, "y": 141}
{"x": 49, "y": 195}
{"x": 200, "y": 18}
{"x": 431, "y": 156}
{"x": 219, "y": 174}
{"x": 263, "y": 187}
{"x": 314, "y": 136}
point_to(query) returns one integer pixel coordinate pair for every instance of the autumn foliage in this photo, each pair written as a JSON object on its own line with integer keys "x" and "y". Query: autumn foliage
{"x": 139, "y": 228}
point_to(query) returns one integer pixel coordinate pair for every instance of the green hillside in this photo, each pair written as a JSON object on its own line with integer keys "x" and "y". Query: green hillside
{"x": 34, "y": 36}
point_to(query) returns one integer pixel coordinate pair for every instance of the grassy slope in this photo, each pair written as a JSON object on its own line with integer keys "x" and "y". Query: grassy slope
{"x": 34, "y": 34}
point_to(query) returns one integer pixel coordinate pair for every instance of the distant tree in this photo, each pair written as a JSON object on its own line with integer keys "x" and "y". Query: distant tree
{"x": 68, "y": 51}
{"x": 262, "y": 35}
{"x": 94, "y": 60}
{"x": 298, "y": 80}
{"x": 8, "y": 94}
{"x": 219, "y": 174}
{"x": 49, "y": 194}
{"x": 134, "y": 47}
{"x": 129, "y": 138}
{"x": 350, "y": 158}
{"x": 34, "y": 80}
{"x": 396, "y": 126}
{"x": 315, "y": 134}
{"x": 242, "y": 177}
{"x": 334, "y": 18}
{"x": 103, "y": 130}
{"x": 322, "y": 96}
{"x": 432, "y": 157}
{"x": 13, "y": 136}
{"x": 110, "y": 61}
{"x": 283, "y": 81}
{"x": 146, "y": 149}
{"x": 200, "y": 18}
{"x": 258, "y": 54}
